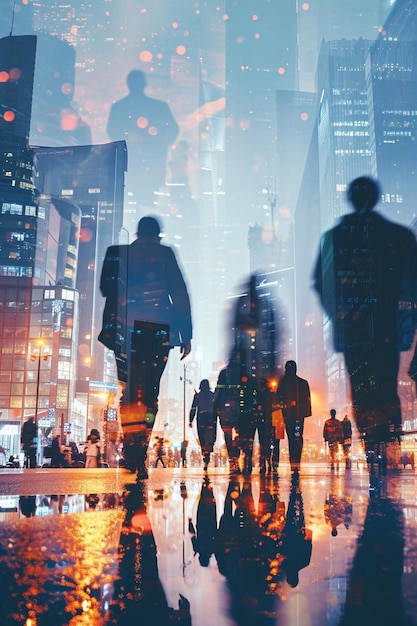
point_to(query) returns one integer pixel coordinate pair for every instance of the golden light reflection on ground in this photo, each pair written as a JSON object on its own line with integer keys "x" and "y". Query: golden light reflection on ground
{"x": 59, "y": 564}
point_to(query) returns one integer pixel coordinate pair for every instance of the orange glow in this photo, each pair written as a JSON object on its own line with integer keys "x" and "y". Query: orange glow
{"x": 66, "y": 89}
{"x": 304, "y": 116}
{"x": 181, "y": 50}
{"x": 86, "y": 235}
{"x": 174, "y": 24}
{"x": 15, "y": 73}
{"x": 69, "y": 120}
{"x": 4, "y": 77}
{"x": 281, "y": 70}
{"x": 146, "y": 56}
{"x": 255, "y": 18}
{"x": 285, "y": 212}
{"x": 244, "y": 124}
{"x": 9, "y": 116}
{"x": 305, "y": 6}
{"x": 142, "y": 122}
{"x": 257, "y": 36}
{"x": 204, "y": 112}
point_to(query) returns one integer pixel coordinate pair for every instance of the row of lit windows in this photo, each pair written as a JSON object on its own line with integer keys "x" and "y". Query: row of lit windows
{"x": 49, "y": 294}
{"x": 7, "y": 382}
{"x": 70, "y": 192}
{"x": 358, "y": 151}
{"x": 396, "y": 133}
{"x": 351, "y": 133}
{"x": 355, "y": 123}
{"x": 17, "y": 209}
{"x": 403, "y": 112}
{"x": 393, "y": 197}
{"x": 29, "y": 402}
{"x": 13, "y": 270}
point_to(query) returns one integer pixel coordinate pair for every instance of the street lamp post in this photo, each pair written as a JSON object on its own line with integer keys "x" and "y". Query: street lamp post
{"x": 40, "y": 356}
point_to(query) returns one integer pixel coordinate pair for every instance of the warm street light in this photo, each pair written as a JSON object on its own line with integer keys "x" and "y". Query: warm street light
{"x": 40, "y": 356}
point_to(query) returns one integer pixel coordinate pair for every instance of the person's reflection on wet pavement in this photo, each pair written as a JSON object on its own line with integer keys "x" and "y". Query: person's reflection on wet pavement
{"x": 203, "y": 536}
{"x": 338, "y": 506}
{"x": 245, "y": 556}
{"x": 139, "y": 596}
{"x": 259, "y": 548}
{"x": 297, "y": 539}
{"x": 374, "y": 590}
{"x": 27, "y": 505}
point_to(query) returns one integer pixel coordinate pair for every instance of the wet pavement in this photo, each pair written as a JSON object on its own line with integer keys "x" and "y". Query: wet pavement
{"x": 90, "y": 547}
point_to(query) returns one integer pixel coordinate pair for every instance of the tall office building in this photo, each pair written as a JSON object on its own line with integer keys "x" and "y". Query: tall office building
{"x": 252, "y": 79}
{"x": 92, "y": 177}
{"x": 38, "y": 251}
{"x": 392, "y": 76}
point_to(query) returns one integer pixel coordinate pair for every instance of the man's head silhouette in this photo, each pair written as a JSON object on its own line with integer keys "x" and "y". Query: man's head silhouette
{"x": 148, "y": 227}
{"x": 363, "y": 193}
{"x": 291, "y": 368}
{"x": 136, "y": 81}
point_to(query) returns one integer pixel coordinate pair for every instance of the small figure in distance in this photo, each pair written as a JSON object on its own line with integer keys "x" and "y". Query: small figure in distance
{"x": 92, "y": 449}
{"x": 159, "y": 450}
{"x": 29, "y": 440}
{"x": 366, "y": 277}
{"x": 347, "y": 441}
{"x": 333, "y": 435}
{"x": 293, "y": 396}
{"x": 202, "y": 408}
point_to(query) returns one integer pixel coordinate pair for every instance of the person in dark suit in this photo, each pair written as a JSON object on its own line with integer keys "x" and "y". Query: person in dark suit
{"x": 29, "y": 440}
{"x": 147, "y": 312}
{"x": 293, "y": 396}
{"x": 149, "y": 128}
{"x": 366, "y": 277}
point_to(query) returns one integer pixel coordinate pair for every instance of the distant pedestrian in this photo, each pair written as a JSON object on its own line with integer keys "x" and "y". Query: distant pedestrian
{"x": 347, "y": 441}
{"x": 92, "y": 449}
{"x": 184, "y": 446}
{"x": 203, "y": 410}
{"x": 57, "y": 458}
{"x": 293, "y": 396}
{"x": 29, "y": 439}
{"x": 333, "y": 435}
{"x": 159, "y": 451}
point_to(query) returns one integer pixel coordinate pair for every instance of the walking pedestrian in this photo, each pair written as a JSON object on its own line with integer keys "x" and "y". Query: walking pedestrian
{"x": 333, "y": 435}
{"x": 202, "y": 409}
{"x": 293, "y": 395}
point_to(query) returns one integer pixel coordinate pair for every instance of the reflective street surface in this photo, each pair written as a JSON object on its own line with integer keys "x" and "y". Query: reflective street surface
{"x": 91, "y": 547}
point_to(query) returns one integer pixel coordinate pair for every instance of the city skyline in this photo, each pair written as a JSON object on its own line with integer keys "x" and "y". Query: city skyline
{"x": 233, "y": 86}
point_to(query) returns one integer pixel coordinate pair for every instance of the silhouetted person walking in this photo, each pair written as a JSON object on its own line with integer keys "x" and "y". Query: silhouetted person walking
{"x": 149, "y": 128}
{"x": 227, "y": 408}
{"x": 29, "y": 441}
{"x": 366, "y": 276}
{"x": 147, "y": 312}
{"x": 293, "y": 395}
{"x": 333, "y": 435}
{"x": 347, "y": 441}
{"x": 203, "y": 408}
{"x": 159, "y": 451}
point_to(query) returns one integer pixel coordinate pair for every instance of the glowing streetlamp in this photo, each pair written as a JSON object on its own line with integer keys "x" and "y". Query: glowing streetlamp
{"x": 40, "y": 356}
